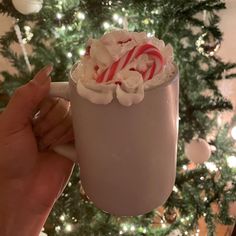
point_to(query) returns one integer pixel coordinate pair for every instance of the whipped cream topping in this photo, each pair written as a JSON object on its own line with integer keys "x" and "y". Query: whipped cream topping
{"x": 123, "y": 64}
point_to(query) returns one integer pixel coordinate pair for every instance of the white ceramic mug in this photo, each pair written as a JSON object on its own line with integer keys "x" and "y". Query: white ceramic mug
{"x": 126, "y": 155}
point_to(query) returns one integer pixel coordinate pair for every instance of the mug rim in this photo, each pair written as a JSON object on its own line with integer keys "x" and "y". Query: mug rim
{"x": 164, "y": 84}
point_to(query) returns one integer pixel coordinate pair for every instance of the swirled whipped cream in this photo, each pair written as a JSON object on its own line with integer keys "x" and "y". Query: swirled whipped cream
{"x": 123, "y": 64}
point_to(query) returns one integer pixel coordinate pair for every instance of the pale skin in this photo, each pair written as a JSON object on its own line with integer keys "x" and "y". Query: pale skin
{"x": 32, "y": 175}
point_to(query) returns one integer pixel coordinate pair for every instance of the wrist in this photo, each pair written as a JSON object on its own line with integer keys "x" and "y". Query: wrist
{"x": 18, "y": 215}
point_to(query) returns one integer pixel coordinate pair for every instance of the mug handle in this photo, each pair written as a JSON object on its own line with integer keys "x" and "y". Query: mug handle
{"x": 61, "y": 89}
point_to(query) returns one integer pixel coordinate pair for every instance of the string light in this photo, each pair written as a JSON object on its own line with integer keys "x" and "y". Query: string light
{"x": 68, "y": 228}
{"x": 231, "y": 161}
{"x": 146, "y": 21}
{"x": 59, "y": 16}
{"x": 115, "y": 17}
{"x": 233, "y": 132}
{"x": 185, "y": 167}
{"x": 106, "y": 25}
{"x": 62, "y": 217}
{"x": 120, "y": 21}
{"x": 81, "y": 15}
{"x": 28, "y": 33}
{"x": 211, "y": 166}
{"x": 125, "y": 228}
{"x": 150, "y": 34}
{"x": 69, "y": 55}
{"x": 58, "y": 228}
{"x": 175, "y": 189}
{"x": 121, "y": 232}
{"x": 154, "y": 12}
{"x": 132, "y": 228}
{"x": 213, "y": 148}
{"x": 82, "y": 52}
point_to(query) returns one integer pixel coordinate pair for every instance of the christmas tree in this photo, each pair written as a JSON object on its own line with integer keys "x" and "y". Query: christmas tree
{"x": 56, "y": 31}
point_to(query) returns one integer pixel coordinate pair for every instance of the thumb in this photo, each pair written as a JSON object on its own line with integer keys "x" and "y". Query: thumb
{"x": 26, "y": 99}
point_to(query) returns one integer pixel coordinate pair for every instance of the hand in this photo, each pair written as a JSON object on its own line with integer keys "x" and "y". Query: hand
{"x": 31, "y": 180}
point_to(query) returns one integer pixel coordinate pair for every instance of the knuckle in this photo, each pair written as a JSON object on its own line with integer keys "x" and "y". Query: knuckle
{"x": 19, "y": 92}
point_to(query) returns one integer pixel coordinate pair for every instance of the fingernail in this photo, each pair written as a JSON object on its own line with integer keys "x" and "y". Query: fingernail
{"x": 43, "y": 75}
{"x": 48, "y": 69}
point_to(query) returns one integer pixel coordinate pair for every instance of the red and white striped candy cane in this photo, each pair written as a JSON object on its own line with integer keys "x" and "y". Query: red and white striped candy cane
{"x": 152, "y": 51}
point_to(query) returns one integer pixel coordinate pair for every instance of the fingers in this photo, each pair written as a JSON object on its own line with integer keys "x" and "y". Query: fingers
{"x": 57, "y": 133}
{"x": 26, "y": 99}
{"x": 44, "y": 107}
{"x": 66, "y": 138}
{"x": 53, "y": 124}
{"x": 52, "y": 114}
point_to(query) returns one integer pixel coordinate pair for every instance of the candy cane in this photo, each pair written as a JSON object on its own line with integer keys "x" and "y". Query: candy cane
{"x": 134, "y": 53}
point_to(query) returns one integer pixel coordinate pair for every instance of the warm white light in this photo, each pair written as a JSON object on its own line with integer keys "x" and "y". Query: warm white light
{"x": 125, "y": 228}
{"x": 68, "y": 228}
{"x": 120, "y": 21}
{"x": 213, "y": 148}
{"x": 144, "y": 230}
{"x": 69, "y": 54}
{"x": 186, "y": 233}
{"x": 205, "y": 199}
{"x": 70, "y": 28}
{"x": 27, "y": 28}
{"x": 62, "y": 217}
{"x": 211, "y": 166}
{"x": 201, "y": 178}
{"x": 185, "y": 167}
{"x": 69, "y": 184}
{"x": 175, "y": 189}
{"x": 132, "y": 228}
{"x": 59, "y": 16}
{"x": 82, "y": 52}
{"x": 149, "y": 35}
{"x": 106, "y": 25}
{"x": 115, "y": 17}
{"x": 58, "y": 228}
{"x": 231, "y": 161}
{"x": 233, "y": 132}
{"x": 121, "y": 232}
{"x": 163, "y": 225}
{"x": 81, "y": 15}
{"x": 155, "y": 12}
